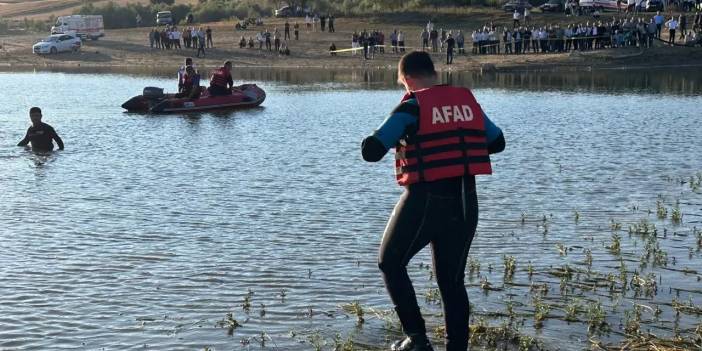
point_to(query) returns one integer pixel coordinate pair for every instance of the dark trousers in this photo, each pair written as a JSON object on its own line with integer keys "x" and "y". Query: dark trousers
{"x": 449, "y": 56}
{"x": 671, "y": 40}
{"x": 200, "y": 49}
{"x": 444, "y": 214}
{"x": 287, "y": 34}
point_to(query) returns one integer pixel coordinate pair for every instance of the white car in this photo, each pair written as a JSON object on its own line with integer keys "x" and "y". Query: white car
{"x": 57, "y": 43}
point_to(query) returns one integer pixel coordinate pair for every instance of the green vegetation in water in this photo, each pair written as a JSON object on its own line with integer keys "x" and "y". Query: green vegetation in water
{"x": 356, "y": 309}
{"x": 229, "y": 323}
{"x": 616, "y": 247}
{"x": 510, "y": 263}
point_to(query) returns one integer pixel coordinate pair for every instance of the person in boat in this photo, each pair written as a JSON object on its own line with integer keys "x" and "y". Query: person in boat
{"x": 40, "y": 134}
{"x": 221, "y": 82}
{"x": 443, "y": 140}
{"x": 191, "y": 84}
{"x": 181, "y": 72}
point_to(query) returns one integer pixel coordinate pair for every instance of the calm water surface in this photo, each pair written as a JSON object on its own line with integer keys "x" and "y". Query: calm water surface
{"x": 147, "y": 230}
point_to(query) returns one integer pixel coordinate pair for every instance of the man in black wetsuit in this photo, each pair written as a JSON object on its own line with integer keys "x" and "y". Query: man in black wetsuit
{"x": 40, "y": 134}
{"x": 442, "y": 140}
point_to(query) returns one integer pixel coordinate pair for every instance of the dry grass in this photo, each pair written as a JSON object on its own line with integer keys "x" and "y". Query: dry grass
{"x": 42, "y": 9}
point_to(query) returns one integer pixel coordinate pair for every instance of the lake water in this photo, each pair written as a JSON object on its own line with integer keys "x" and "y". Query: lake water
{"x": 147, "y": 230}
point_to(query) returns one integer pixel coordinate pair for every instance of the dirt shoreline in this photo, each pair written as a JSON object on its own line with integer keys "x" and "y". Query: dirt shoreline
{"x": 127, "y": 49}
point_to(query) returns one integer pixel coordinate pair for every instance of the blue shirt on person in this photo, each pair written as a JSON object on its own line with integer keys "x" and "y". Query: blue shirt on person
{"x": 395, "y": 126}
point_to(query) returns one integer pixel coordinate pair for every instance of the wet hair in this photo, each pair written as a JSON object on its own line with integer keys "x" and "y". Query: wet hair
{"x": 416, "y": 64}
{"x": 227, "y": 63}
{"x": 34, "y": 110}
{"x": 188, "y": 59}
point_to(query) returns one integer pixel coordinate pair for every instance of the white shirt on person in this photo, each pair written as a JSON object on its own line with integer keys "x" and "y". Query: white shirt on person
{"x": 672, "y": 24}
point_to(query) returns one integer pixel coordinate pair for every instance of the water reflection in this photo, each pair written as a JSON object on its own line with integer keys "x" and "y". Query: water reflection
{"x": 686, "y": 80}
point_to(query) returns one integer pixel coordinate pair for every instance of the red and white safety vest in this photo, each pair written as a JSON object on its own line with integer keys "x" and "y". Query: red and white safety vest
{"x": 450, "y": 140}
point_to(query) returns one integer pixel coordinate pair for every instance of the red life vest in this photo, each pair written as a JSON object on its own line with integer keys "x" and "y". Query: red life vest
{"x": 187, "y": 82}
{"x": 219, "y": 78}
{"x": 450, "y": 140}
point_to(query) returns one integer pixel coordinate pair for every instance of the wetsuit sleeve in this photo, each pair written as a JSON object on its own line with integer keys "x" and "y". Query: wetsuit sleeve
{"x": 394, "y": 127}
{"x": 56, "y": 137}
{"x": 230, "y": 81}
{"x": 24, "y": 141}
{"x": 495, "y": 138}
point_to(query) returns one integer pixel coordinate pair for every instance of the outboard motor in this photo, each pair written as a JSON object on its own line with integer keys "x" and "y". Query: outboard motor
{"x": 153, "y": 93}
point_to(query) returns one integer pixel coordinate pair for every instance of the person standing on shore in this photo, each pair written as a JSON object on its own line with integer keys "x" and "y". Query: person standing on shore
{"x": 439, "y": 205}
{"x": 40, "y": 134}
{"x": 331, "y": 24}
{"x": 323, "y": 22}
{"x": 515, "y": 19}
{"x": 267, "y": 36}
{"x": 672, "y": 25}
{"x": 208, "y": 33}
{"x": 296, "y": 28}
{"x": 354, "y": 43}
{"x": 401, "y": 41}
{"x": 682, "y": 20}
{"x": 157, "y": 38}
{"x": 200, "y": 42}
{"x": 434, "y": 36}
{"x": 659, "y": 19}
{"x": 287, "y": 30}
{"x": 425, "y": 39}
{"x": 151, "y": 38}
{"x": 194, "y": 37}
{"x": 276, "y": 39}
{"x": 450, "y": 43}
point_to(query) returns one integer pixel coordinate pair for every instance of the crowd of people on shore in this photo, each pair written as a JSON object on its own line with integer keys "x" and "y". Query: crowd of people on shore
{"x": 616, "y": 33}
{"x": 325, "y": 22}
{"x": 271, "y": 41}
{"x": 170, "y": 38}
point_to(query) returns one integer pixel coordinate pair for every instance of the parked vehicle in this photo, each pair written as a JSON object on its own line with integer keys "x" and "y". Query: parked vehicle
{"x": 289, "y": 11}
{"x": 164, "y": 17}
{"x": 602, "y": 5}
{"x": 57, "y": 43}
{"x": 285, "y": 11}
{"x": 518, "y": 5}
{"x": 84, "y": 26}
{"x": 553, "y": 6}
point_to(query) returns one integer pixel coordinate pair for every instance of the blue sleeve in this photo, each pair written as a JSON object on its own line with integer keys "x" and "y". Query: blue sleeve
{"x": 395, "y": 126}
{"x": 491, "y": 130}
